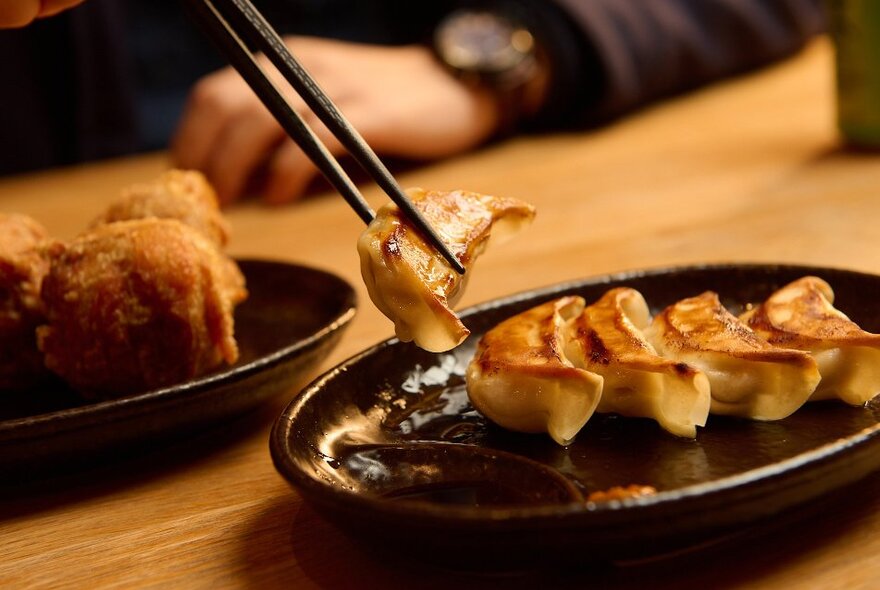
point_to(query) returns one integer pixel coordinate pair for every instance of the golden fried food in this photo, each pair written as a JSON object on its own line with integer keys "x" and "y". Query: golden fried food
{"x": 608, "y": 339}
{"x": 137, "y": 305}
{"x": 406, "y": 277}
{"x": 521, "y": 379}
{"x": 185, "y": 195}
{"x": 23, "y": 265}
{"x": 747, "y": 376}
{"x": 802, "y": 315}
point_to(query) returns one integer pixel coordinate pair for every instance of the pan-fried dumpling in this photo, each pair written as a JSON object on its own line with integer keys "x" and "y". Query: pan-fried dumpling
{"x": 607, "y": 339}
{"x": 802, "y": 315}
{"x": 748, "y": 376}
{"x": 520, "y": 378}
{"x": 410, "y": 282}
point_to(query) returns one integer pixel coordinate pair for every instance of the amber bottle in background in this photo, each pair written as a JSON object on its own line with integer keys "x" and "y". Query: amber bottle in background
{"x": 855, "y": 30}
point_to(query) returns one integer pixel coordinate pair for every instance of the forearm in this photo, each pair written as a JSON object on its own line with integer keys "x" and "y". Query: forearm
{"x": 611, "y": 56}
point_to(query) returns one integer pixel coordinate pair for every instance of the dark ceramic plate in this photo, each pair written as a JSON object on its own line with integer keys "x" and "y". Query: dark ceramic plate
{"x": 388, "y": 446}
{"x": 292, "y": 318}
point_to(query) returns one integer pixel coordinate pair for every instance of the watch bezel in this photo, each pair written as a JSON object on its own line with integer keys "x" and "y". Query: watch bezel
{"x": 504, "y": 65}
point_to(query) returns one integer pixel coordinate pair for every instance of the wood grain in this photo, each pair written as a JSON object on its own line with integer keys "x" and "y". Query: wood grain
{"x": 748, "y": 170}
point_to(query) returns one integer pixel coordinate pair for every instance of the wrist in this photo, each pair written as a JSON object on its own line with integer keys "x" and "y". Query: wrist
{"x": 497, "y": 55}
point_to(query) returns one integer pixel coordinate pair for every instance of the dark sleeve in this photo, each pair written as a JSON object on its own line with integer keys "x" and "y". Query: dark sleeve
{"x": 66, "y": 96}
{"x": 612, "y": 56}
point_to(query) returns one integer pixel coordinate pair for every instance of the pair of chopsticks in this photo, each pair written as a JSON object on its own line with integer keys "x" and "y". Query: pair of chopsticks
{"x": 233, "y": 23}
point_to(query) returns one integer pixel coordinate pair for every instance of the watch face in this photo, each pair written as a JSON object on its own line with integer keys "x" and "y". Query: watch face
{"x": 482, "y": 42}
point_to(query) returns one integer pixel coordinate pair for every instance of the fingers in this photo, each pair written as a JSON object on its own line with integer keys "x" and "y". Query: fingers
{"x": 243, "y": 145}
{"x": 213, "y": 100}
{"x": 227, "y": 133}
{"x": 288, "y": 174}
{"x": 19, "y": 13}
{"x": 290, "y": 171}
{"x": 241, "y": 148}
{"x": 402, "y": 102}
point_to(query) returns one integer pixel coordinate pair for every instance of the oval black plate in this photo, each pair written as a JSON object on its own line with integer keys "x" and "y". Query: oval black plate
{"x": 387, "y": 445}
{"x": 290, "y": 321}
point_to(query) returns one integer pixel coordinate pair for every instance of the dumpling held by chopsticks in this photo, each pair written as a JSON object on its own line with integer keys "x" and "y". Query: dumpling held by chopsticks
{"x": 410, "y": 282}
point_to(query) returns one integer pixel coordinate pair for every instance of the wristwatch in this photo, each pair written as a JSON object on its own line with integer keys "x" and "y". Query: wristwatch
{"x": 497, "y": 52}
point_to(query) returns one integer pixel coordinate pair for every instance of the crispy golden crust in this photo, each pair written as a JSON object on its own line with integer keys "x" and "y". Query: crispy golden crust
{"x": 410, "y": 282}
{"x": 137, "y": 305}
{"x": 748, "y": 377}
{"x": 23, "y": 265}
{"x": 802, "y": 315}
{"x": 521, "y": 379}
{"x": 703, "y": 324}
{"x": 185, "y": 195}
{"x": 608, "y": 335}
{"x": 530, "y": 342}
{"x": 608, "y": 339}
{"x": 465, "y": 220}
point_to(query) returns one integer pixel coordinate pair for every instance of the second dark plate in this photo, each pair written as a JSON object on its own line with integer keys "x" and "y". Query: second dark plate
{"x": 293, "y": 317}
{"x": 388, "y": 446}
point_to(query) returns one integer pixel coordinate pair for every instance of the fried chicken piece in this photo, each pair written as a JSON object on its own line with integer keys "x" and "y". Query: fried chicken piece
{"x": 23, "y": 265}
{"x": 137, "y": 305}
{"x": 410, "y": 282}
{"x": 185, "y": 195}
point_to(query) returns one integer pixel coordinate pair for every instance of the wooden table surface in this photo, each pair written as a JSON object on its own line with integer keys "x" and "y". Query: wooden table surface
{"x": 748, "y": 170}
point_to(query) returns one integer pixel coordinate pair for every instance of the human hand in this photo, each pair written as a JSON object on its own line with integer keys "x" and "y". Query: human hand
{"x": 18, "y": 13}
{"x": 400, "y": 99}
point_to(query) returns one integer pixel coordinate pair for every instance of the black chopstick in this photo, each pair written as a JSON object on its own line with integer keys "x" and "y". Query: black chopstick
{"x": 241, "y": 58}
{"x": 243, "y": 17}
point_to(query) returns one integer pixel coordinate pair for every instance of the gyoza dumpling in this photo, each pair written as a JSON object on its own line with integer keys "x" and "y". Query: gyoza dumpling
{"x": 607, "y": 339}
{"x": 410, "y": 282}
{"x": 520, "y": 378}
{"x": 748, "y": 376}
{"x": 801, "y": 315}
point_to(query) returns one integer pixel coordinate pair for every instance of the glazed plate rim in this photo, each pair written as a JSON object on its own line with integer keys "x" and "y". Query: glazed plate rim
{"x": 750, "y": 483}
{"x": 105, "y": 411}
